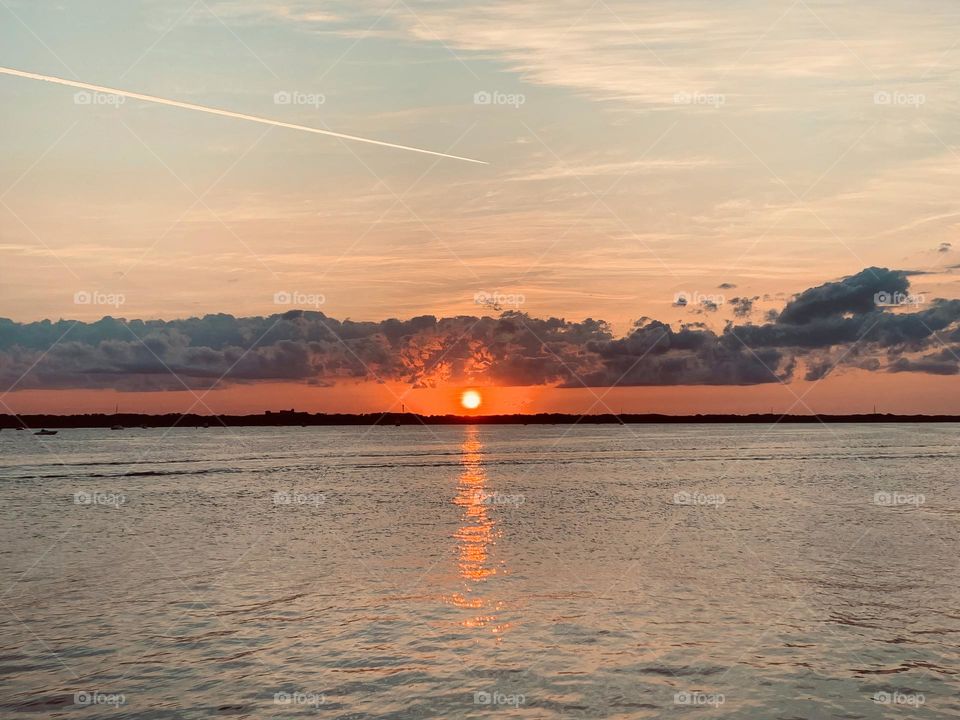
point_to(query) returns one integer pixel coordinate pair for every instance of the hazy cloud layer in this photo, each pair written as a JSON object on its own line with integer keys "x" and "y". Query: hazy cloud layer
{"x": 700, "y": 125}
{"x": 859, "y": 321}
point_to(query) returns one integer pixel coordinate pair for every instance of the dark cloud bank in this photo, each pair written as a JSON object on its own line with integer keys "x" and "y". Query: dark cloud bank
{"x": 838, "y": 324}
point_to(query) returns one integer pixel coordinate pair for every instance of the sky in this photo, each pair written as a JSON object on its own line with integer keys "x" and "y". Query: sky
{"x": 684, "y": 162}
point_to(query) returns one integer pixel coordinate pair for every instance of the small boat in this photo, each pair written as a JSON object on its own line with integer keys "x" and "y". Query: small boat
{"x": 116, "y": 427}
{"x": 44, "y": 431}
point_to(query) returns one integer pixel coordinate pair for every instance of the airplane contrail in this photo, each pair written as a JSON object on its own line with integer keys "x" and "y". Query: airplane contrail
{"x": 224, "y": 113}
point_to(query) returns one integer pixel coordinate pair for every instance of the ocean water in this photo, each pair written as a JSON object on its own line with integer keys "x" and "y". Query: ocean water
{"x": 482, "y": 572}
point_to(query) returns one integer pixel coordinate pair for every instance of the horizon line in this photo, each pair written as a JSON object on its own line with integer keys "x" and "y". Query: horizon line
{"x": 292, "y": 418}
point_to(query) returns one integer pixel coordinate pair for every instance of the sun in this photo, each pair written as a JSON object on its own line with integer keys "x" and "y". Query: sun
{"x": 471, "y": 399}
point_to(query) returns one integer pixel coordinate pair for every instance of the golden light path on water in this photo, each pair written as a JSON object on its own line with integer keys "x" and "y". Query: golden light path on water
{"x": 476, "y": 538}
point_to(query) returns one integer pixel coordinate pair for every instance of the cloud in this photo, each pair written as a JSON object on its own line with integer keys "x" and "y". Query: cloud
{"x": 743, "y": 306}
{"x": 929, "y": 365}
{"x": 835, "y": 325}
{"x": 244, "y": 12}
{"x": 856, "y": 294}
{"x": 655, "y": 354}
{"x": 561, "y": 170}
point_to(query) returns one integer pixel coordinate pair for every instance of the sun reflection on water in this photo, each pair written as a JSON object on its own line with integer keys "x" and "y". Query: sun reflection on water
{"x": 476, "y": 538}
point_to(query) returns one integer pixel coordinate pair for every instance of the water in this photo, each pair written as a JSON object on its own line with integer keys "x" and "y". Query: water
{"x": 452, "y": 572}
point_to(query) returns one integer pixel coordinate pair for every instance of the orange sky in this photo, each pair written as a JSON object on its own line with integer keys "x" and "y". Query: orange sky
{"x": 650, "y": 150}
{"x": 852, "y": 391}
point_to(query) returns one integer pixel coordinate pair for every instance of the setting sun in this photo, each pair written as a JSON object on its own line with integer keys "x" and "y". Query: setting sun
{"x": 470, "y": 399}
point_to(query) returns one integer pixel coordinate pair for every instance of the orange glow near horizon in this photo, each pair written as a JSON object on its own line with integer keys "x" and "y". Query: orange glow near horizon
{"x": 471, "y": 399}
{"x": 856, "y": 391}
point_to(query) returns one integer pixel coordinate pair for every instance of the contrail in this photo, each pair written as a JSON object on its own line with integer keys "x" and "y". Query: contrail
{"x": 224, "y": 113}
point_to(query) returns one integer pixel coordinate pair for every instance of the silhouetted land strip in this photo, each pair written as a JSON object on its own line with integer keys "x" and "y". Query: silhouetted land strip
{"x": 295, "y": 419}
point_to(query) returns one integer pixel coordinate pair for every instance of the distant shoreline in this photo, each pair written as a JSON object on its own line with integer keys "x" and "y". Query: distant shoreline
{"x": 297, "y": 419}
